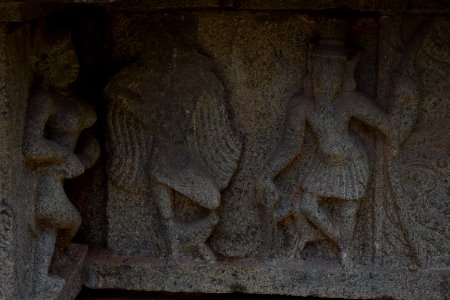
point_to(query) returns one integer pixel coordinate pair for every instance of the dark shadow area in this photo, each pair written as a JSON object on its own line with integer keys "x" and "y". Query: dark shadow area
{"x": 88, "y": 294}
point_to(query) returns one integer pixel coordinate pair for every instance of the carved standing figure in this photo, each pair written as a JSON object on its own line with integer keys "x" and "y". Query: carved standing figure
{"x": 169, "y": 133}
{"x": 341, "y": 168}
{"x": 55, "y": 119}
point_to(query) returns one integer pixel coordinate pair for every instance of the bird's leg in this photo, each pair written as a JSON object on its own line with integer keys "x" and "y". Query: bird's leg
{"x": 310, "y": 208}
{"x": 206, "y": 253}
{"x": 163, "y": 198}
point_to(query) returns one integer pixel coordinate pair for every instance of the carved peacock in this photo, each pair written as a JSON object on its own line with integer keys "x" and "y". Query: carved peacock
{"x": 169, "y": 132}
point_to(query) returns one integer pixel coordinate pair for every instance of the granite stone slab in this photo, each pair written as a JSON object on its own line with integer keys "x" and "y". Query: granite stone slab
{"x": 316, "y": 279}
{"x": 297, "y": 148}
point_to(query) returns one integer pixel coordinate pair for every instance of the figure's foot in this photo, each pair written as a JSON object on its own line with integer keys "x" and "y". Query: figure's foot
{"x": 172, "y": 229}
{"x": 283, "y": 212}
{"x": 175, "y": 255}
{"x": 346, "y": 260}
{"x": 188, "y": 239}
{"x": 300, "y": 246}
{"x": 199, "y": 253}
{"x": 206, "y": 253}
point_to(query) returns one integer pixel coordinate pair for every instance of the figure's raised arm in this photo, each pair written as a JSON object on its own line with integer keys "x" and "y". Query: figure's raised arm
{"x": 287, "y": 150}
{"x": 292, "y": 141}
{"x": 361, "y": 107}
{"x": 291, "y": 144}
{"x": 89, "y": 149}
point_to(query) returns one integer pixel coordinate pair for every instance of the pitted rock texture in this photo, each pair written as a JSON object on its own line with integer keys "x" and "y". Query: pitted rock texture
{"x": 203, "y": 146}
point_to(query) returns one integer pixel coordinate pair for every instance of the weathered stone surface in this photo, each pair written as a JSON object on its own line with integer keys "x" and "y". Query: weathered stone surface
{"x": 6, "y": 252}
{"x": 55, "y": 150}
{"x": 342, "y": 196}
{"x": 190, "y": 157}
{"x": 33, "y": 206}
{"x": 15, "y": 181}
{"x": 20, "y": 11}
{"x": 377, "y": 6}
{"x": 269, "y": 147}
{"x": 7, "y": 239}
{"x": 300, "y": 278}
{"x": 25, "y": 10}
{"x": 68, "y": 266}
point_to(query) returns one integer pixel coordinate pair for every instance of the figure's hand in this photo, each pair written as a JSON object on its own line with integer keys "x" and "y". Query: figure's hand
{"x": 267, "y": 193}
{"x": 73, "y": 166}
{"x": 90, "y": 152}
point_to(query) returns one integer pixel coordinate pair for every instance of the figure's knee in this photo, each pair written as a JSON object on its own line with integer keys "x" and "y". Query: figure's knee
{"x": 71, "y": 219}
{"x": 162, "y": 196}
{"x": 213, "y": 218}
{"x": 54, "y": 209}
{"x": 70, "y": 228}
{"x": 309, "y": 204}
{"x": 48, "y": 213}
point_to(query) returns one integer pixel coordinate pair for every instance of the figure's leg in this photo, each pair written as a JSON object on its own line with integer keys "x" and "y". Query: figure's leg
{"x": 162, "y": 195}
{"x": 306, "y": 233}
{"x": 211, "y": 221}
{"x": 268, "y": 230}
{"x": 309, "y": 206}
{"x": 300, "y": 241}
{"x": 71, "y": 222}
{"x": 286, "y": 208}
{"x": 45, "y": 247}
{"x": 348, "y": 212}
{"x": 54, "y": 209}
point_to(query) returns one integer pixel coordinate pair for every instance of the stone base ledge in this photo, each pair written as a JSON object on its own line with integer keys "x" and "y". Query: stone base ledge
{"x": 296, "y": 278}
{"x": 68, "y": 267}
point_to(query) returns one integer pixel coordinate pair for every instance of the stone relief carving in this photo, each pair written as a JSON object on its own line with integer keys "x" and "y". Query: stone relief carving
{"x": 419, "y": 172}
{"x": 341, "y": 169}
{"x": 169, "y": 133}
{"x": 52, "y": 147}
{"x": 352, "y": 190}
{"x": 415, "y": 166}
{"x": 160, "y": 147}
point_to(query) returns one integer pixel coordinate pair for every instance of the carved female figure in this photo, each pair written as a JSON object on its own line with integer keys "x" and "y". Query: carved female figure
{"x": 55, "y": 120}
{"x": 341, "y": 170}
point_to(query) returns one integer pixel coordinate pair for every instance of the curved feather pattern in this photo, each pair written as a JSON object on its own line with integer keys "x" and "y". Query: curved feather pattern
{"x": 405, "y": 109}
{"x": 128, "y": 143}
{"x": 212, "y": 141}
{"x": 407, "y": 88}
{"x": 420, "y": 173}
